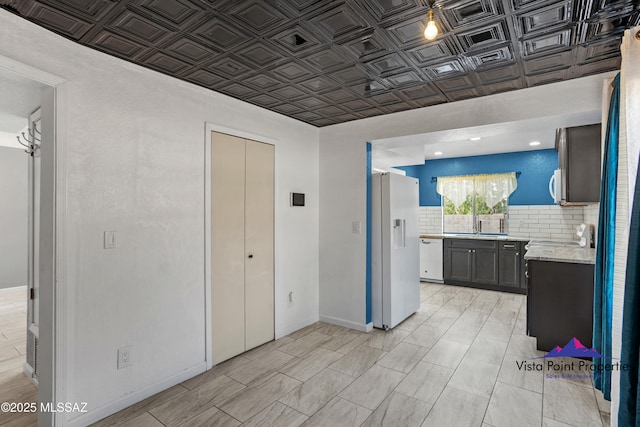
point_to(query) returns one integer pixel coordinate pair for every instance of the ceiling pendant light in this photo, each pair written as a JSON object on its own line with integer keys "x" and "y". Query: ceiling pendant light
{"x": 431, "y": 31}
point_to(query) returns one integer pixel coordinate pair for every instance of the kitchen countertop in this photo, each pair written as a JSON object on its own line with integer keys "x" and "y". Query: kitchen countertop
{"x": 572, "y": 254}
{"x": 474, "y": 237}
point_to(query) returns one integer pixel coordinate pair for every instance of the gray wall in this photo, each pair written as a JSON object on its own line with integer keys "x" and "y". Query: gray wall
{"x": 13, "y": 217}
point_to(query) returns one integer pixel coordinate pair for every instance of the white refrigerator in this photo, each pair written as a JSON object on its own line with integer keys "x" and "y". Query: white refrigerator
{"x": 395, "y": 249}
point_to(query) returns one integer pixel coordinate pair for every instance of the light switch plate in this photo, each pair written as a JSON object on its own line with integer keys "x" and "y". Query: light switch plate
{"x": 109, "y": 239}
{"x": 355, "y": 227}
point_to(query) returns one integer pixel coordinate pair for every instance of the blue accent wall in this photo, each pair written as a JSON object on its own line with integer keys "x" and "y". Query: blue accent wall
{"x": 368, "y": 256}
{"x": 533, "y": 185}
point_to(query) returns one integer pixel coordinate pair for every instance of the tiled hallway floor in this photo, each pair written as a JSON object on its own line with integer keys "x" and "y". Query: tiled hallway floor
{"x": 451, "y": 364}
{"x": 14, "y": 385}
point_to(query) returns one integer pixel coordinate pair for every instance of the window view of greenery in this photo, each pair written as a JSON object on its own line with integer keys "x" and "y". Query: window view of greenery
{"x": 488, "y": 220}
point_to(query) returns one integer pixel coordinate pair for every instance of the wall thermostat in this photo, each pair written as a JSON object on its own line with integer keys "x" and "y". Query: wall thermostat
{"x": 297, "y": 199}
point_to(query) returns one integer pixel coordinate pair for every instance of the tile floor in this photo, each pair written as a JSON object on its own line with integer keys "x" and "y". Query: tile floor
{"x": 14, "y": 385}
{"x": 451, "y": 364}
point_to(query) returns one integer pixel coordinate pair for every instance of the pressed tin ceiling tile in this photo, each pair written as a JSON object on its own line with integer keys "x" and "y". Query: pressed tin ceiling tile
{"x": 327, "y": 62}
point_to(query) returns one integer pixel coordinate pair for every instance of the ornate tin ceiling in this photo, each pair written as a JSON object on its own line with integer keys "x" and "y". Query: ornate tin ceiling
{"x": 326, "y": 62}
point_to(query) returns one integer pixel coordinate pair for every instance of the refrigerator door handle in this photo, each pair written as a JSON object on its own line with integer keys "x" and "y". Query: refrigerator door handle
{"x": 404, "y": 233}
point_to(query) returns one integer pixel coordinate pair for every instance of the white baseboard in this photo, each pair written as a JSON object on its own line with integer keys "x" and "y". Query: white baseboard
{"x": 364, "y": 327}
{"x": 135, "y": 397}
{"x": 288, "y": 329}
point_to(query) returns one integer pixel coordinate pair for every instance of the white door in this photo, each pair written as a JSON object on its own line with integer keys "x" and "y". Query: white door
{"x": 259, "y": 216}
{"x": 242, "y": 245}
{"x": 227, "y": 246}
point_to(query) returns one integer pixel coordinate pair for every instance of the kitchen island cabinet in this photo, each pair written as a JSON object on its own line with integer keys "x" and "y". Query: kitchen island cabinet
{"x": 559, "y": 303}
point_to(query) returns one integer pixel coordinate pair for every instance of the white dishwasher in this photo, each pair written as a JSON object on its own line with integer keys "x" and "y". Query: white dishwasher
{"x": 431, "y": 260}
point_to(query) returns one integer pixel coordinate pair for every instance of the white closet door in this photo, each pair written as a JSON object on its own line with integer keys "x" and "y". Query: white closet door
{"x": 259, "y": 243}
{"x": 227, "y": 246}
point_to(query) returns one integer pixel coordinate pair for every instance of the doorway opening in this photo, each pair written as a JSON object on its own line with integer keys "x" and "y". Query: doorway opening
{"x": 27, "y": 253}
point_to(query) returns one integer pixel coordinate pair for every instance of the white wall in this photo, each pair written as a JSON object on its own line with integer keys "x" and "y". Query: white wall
{"x": 343, "y": 174}
{"x": 13, "y": 217}
{"x": 132, "y": 145}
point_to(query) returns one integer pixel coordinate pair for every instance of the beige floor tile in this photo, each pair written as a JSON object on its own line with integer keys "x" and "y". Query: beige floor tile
{"x": 427, "y": 309}
{"x": 358, "y": 360}
{"x": 345, "y": 342}
{"x": 475, "y": 377}
{"x": 603, "y": 405}
{"x": 482, "y": 305}
{"x": 442, "y": 319}
{"x": 398, "y": 410}
{"x": 487, "y": 350}
{"x": 218, "y": 370}
{"x": 252, "y": 400}
{"x": 446, "y": 353}
{"x": 387, "y": 340}
{"x": 511, "y": 374}
{"x": 304, "y": 331}
{"x": 523, "y": 347}
{"x": 168, "y": 395}
{"x": 508, "y": 404}
{"x": 277, "y": 415}
{"x": 315, "y": 393}
{"x": 412, "y": 322}
{"x": 28, "y": 419}
{"x": 425, "y": 382}
{"x": 11, "y": 364}
{"x": 305, "y": 345}
{"x": 403, "y": 358}
{"x": 211, "y": 417}
{"x": 496, "y": 330}
{"x": 314, "y": 362}
{"x": 548, "y": 422}
{"x": 462, "y": 333}
{"x": 259, "y": 367}
{"x": 472, "y": 318}
{"x": 425, "y": 336}
{"x": 176, "y": 411}
{"x": 457, "y": 408}
{"x": 260, "y": 351}
{"x": 570, "y": 403}
{"x": 370, "y": 389}
{"x": 143, "y": 420}
{"x": 331, "y": 330}
{"x": 338, "y": 412}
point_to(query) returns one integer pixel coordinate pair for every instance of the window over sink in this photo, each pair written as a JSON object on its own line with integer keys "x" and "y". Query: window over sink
{"x": 476, "y": 203}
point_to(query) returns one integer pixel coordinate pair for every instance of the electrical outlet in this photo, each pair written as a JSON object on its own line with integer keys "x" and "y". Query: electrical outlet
{"x": 124, "y": 357}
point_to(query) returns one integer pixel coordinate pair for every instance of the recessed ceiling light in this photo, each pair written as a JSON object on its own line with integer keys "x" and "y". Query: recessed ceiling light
{"x": 534, "y": 143}
{"x": 438, "y": 153}
{"x": 475, "y": 138}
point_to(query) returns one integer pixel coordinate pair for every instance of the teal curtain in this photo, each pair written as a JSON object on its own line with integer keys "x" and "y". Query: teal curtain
{"x": 603, "y": 280}
{"x": 629, "y": 411}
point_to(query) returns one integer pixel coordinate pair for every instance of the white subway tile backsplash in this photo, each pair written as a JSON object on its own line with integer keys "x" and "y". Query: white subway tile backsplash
{"x": 527, "y": 222}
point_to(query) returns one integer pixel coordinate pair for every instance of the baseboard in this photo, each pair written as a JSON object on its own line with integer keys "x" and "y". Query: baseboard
{"x": 284, "y": 331}
{"x": 135, "y": 397}
{"x": 364, "y": 327}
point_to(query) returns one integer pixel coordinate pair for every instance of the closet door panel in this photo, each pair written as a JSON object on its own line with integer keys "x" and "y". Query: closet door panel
{"x": 259, "y": 243}
{"x": 227, "y": 246}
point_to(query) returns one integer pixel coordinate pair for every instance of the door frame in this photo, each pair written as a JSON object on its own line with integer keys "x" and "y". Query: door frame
{"x": 52, "y": 307}
{"x": 208, "y": 129}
